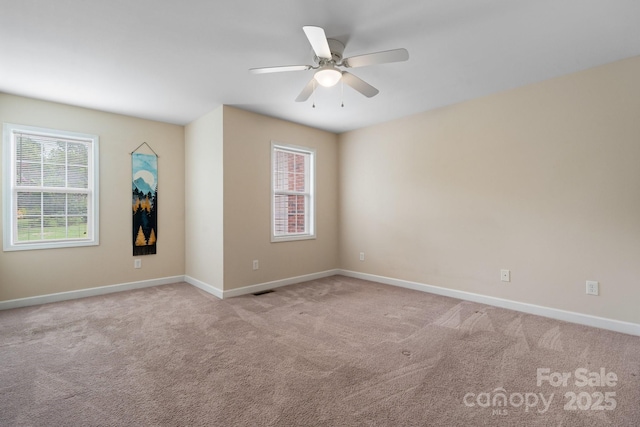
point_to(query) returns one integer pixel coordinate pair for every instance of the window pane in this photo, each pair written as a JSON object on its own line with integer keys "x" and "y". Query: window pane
{"x": 279, "y": 180}
{"x": 78, "y": 177}
{"x": 54, "y": 152}
{"x": 77, "y": 204}
{"x": 54, "y": 227}
{"x": 77, "y": 227}
{"x": 27, "y": 149}
{"x": 29, "y": 204}
{"x": 28, "y": 174}
{"x": 285, "y": 160}
{"x": 281, "y": 171}
{"x": 295, "y": 214}
{"x": 29, "y": 229}
{"x": 299, "y": 163}
{"x": 77, "y": 154}
{"x": 54, "y": 203}
{"x": 300, "y": 182}
{"x": 291, "y": 214}
{"x": 291, "y": 181}
{"x": 300, "y": 214}
{"x": 280, "y": 214}
{"x": 54, "y": 175}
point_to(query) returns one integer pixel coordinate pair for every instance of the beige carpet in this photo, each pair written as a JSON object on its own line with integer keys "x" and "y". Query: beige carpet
{"x": 333, "y": 352}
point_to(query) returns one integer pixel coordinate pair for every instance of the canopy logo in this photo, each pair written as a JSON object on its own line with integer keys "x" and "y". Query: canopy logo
{"x": 499, "y": 401}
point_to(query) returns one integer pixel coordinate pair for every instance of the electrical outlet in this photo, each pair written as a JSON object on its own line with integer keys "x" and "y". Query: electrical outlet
{"x": 593, "y": 288}
{"x": 505, "y": 275}
{"x": 361, "y": 256}
{"x": 256, "y": 264}
{"x": 137, "y": 263}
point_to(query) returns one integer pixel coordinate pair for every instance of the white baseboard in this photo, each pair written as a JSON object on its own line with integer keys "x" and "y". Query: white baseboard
{"x": 251, "y": 289}
{"x": 204, "y": 286}
{"x": 278, "y": 283}
{"x": 89, "y": 292}
{"x": 553, "y": 313}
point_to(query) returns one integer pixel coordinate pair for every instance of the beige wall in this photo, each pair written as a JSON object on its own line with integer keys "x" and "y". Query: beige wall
{"x": 40, "y": 272}
{"x": 247, "y": 233}
{"x": 203, "y": 192}
{"x": 542, "y": 180}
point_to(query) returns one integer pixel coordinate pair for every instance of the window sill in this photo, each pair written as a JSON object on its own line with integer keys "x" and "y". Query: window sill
{"x": 277, "y": 239}
{"x": 8, "y": 247}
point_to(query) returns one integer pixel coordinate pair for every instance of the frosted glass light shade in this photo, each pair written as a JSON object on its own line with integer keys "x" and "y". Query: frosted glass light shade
{"x": 327, "y": 76}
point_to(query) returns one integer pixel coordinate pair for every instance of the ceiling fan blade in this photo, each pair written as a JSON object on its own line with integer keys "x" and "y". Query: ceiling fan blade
{"x": 395, "y": 55}
{"x": 360, "y": 85}
{"x": 318, "y": 40}
{"x": 264, "y": 70}
{"x": 307, "y": 91}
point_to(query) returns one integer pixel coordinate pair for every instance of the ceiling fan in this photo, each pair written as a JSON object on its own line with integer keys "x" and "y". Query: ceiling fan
{"x": 328, "y": 61}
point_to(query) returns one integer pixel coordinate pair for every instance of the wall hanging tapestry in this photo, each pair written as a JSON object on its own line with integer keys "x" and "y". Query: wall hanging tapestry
{"x": 145, "y": 202}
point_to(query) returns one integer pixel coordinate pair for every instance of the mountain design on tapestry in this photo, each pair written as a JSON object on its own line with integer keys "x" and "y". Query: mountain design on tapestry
{"x": 141, "y": 185}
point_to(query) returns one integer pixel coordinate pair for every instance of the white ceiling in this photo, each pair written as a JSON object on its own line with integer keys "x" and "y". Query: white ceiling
{"x": 174, "y": 61}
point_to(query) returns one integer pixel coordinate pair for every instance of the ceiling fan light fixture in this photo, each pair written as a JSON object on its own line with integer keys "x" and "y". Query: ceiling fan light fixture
{"x": 329, "y": 61}
{"x": 327, "y": 76}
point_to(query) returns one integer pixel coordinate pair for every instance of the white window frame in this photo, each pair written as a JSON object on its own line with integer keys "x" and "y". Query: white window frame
{"x": 10, "y": 189}
{"x": 310, "y": 205}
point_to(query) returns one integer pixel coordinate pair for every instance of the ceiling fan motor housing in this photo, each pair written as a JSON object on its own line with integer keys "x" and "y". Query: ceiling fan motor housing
{"x": 337, "y": 49}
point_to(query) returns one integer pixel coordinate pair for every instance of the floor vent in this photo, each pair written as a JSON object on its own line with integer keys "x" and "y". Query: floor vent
{"x": 268, "y": 291}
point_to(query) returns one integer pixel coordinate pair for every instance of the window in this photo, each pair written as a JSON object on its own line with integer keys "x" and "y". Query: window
{"x": 50, "y": 189}
{"x": 292, "y": 200}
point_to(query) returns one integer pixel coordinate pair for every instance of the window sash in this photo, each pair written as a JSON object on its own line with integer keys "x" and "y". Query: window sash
{"x": 44, "y": 215}
{"x": 283, "y": 225}
{"x": 50, "y": 161}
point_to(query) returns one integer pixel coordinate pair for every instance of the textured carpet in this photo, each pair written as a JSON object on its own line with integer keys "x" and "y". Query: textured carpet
{"x": 332, "y": 352}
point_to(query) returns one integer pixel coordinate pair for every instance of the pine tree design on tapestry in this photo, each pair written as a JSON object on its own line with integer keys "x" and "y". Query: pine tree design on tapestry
{"x": 144, "y": 204}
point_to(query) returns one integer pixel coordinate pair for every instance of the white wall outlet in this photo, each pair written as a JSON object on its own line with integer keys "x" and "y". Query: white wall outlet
{"x": 593, "y": 287}
{"x": 137, "y": 263}
{"x": 505, "y": 275}
{"x": 256, "y": 264}
{"x": 361, "y": 256}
